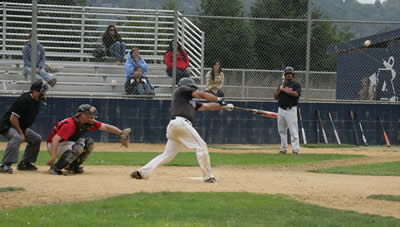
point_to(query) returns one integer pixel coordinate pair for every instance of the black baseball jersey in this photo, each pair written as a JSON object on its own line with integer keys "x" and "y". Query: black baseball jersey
{"x": 183, "y": 104}
{"x": 25, "y": 108}
{"x": 287, "y": 101}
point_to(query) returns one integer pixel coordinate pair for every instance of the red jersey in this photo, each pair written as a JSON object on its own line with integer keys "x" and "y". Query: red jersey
{"x": 67, "y": 128}
{"x": 180, "y": 61}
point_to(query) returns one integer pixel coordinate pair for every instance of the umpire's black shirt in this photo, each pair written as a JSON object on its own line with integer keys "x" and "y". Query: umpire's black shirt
{"x": 286, "y": 101}
{"x": 25, "y": 108}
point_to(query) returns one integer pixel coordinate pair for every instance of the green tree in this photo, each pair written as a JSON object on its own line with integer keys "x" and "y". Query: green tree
{"x": 226, "y": 39}
{"x": 282, "y": 43}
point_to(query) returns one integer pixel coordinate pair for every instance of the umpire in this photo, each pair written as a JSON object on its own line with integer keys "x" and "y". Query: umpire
{"x": 15, "y": 127}
{"x": 288, "y": 94}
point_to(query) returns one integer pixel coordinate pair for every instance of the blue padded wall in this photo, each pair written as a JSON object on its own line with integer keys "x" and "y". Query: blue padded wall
{"x": 149, "y": 118}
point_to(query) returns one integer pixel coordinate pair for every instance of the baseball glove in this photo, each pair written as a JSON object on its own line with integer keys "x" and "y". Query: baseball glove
{"x": 125, "y": 137}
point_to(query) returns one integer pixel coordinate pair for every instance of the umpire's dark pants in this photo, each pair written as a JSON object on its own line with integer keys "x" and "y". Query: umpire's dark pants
{"x": 14, "y": 141}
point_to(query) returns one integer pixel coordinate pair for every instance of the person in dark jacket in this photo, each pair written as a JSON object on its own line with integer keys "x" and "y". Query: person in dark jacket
{"x": 15, "y": 127}
{"x": 113, "y": 44}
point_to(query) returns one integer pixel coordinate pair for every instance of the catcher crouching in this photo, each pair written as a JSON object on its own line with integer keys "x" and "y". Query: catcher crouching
{"x": 66, "y": 141}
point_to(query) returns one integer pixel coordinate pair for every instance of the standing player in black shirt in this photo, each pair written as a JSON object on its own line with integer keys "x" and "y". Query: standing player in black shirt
{"x": 288, "y": 95}
{"x": 180, "y": 130}
{"x": 15, "y": 127}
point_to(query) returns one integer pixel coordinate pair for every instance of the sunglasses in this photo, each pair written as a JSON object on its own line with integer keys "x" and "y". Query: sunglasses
{"x": 112, "y": 30}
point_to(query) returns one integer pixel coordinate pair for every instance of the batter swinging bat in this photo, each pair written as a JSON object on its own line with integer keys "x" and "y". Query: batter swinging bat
{"x": 364, "y": 138}
{"x": 334, "y": 128}
{"x": 322, "y": 127}
{"x": 259, "y": 112}
{"x": 302, "y": 127}
{"x": 384, "y": 133}
{"x": 354, "y": 129}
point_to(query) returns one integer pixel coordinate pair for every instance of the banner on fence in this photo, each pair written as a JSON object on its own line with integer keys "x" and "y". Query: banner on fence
{"x": 369, "y": 74}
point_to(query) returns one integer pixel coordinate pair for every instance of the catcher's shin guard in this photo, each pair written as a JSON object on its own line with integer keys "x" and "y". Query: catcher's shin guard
{"x": 89, "y": 146}
{"x": 68, "y": 157}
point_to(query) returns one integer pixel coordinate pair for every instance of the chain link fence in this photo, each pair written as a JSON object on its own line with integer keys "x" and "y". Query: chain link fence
{"x": 330, "y": 56}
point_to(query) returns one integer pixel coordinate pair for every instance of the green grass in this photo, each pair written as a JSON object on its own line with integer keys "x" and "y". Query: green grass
{"x": 329, "y": 145}
{"x": 395, "y": 198}
{"x": 11, "y": 189}
{"x": 190, "y": 209}
{"x": 217, "y": 159}
{"x": 242, "y": 147}
{"x": 377, "y": 169}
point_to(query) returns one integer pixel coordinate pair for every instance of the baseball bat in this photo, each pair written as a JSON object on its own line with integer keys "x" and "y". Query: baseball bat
{"x": 334, "y": 128}
{"x": 302, "y": 127}
{"x": 354, "y": 129}
{"x": 258, "y": 112}
{"x": 317, "y": 128}
{"x": 322, "y": 127}
{"x": 364, "y": 138}
{"x": 384, "y": 133}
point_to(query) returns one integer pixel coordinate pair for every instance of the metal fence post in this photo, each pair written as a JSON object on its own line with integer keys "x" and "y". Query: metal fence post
{"x": 183, "y": 32}
{"x": 175, "y": 50}
{"x": 34, "y": 39}
{"x": 243, "y": 82}
{"x": 4, "y": 28}
{"x": 308, "y": 53}
{"x": 156, "y": 33}
{"x": 83, "y": 32}
{"x": 202, "y": 59}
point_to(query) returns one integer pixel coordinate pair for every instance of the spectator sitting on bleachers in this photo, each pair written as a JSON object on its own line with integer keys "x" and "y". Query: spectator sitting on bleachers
{"x": 215, "y": 80}
{"x": 182, "y": 61}
{"x": 113, "y": 44}
{"x": 133, "y": 60}
{"x": 137, "y": 85}
{"x": 40, "y": 61}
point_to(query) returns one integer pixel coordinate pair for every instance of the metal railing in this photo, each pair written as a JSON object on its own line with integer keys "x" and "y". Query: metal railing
{"x": 73, "y": 32}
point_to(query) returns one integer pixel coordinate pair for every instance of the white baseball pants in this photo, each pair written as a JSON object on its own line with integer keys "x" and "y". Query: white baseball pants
{"x": 288, "y": 119}
{"x": 180, "y": 132}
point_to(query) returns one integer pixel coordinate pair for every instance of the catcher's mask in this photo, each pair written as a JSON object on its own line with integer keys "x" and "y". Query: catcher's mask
{"x": 186, "y": 82}
{"x": 42, "y": 88}
{"x": 288, "y": 70}
{"x": 89, "y": 110}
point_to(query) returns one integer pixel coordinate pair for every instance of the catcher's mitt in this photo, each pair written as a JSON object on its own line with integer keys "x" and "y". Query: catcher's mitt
{"x": 125, "y": 137}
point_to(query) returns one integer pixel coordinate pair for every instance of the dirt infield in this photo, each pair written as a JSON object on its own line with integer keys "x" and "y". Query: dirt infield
{"x": 347, "y": 192}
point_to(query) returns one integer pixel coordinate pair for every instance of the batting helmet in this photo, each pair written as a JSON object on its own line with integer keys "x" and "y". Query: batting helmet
{"x": 288, "y": 70}
{"x": 186, "y": 82}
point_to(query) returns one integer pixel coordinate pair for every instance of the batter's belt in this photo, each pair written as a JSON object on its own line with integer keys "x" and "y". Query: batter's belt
{"x": 178, "y": 117}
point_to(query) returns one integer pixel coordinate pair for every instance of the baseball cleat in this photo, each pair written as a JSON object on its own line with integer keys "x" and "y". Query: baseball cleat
{"x": 283, "y": 152}
{"x": 26, "y": 166}
{"x": 136, "y": 175}
{"x": 296, "y": 152}
{"x": 53, "y": 171}
{"x": 211, "y": 180}
{"x": 6, "y": 168}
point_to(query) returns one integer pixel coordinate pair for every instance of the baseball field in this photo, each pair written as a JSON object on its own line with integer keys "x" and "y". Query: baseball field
{"x": 337, "y": 186}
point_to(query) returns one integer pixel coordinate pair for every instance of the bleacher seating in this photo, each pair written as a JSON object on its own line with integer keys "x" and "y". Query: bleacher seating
{"x": 76, "y": 32}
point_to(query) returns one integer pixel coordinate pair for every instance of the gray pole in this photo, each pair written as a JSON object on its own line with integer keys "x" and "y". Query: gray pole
{"x": 175, "y": 50}
{"x": 309, "y": 23}
{"x": 202, "y": 60}
{"x": 34, "y": 39}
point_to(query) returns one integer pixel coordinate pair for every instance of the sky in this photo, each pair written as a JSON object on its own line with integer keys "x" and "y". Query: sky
{"x": 368, "y": 1}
